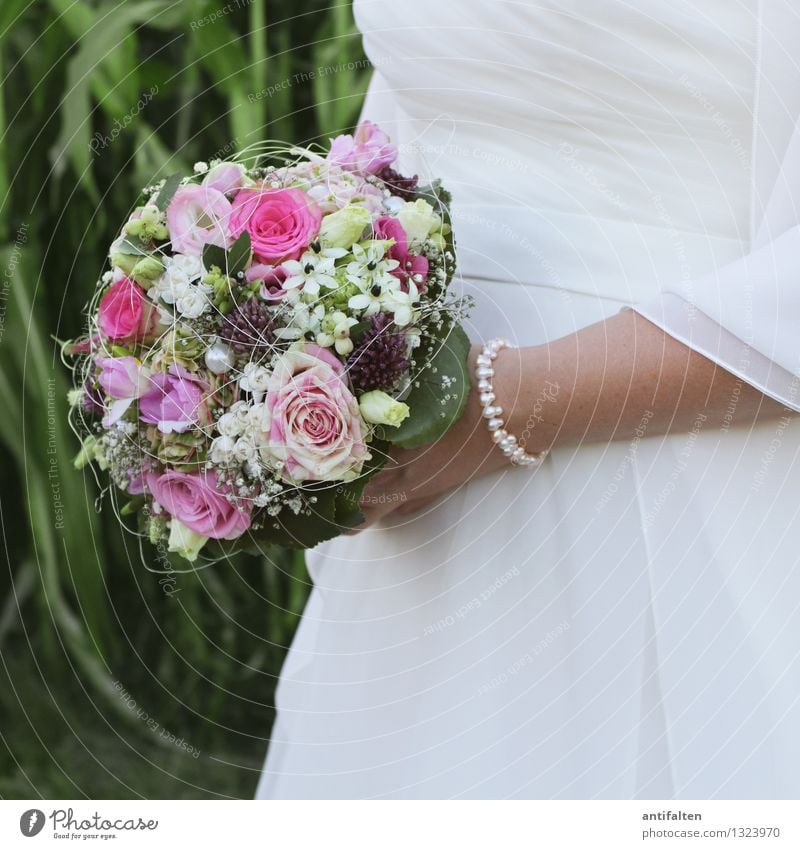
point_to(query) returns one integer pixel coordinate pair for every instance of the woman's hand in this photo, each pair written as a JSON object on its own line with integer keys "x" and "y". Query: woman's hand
{"x": 412, "y": 479}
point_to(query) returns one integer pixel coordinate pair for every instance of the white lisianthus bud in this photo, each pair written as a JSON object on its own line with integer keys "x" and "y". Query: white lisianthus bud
{"x": 419, "y": 220}
{"x": 219, "y": 358}
{"x": 342, "y": 228}
{"x": 184, "y": 541}
{"x": 344, "y": 347}
{"x": 377, "y": 407}
{"x": 147, "y": 269}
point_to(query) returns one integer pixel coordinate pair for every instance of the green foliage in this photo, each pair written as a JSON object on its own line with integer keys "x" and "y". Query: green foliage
{"x": 98, "y": 100}
{"x": 233, "y": 260}
{"x": 439, "y": 394}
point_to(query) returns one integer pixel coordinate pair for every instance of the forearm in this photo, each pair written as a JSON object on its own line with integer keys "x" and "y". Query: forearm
{"x": 600, "y": 383}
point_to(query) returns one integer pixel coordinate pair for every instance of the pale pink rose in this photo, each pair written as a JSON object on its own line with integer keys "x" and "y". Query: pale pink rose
{"x": 225, "y": 177}
{"x": 125, "y": 314}
{"x": 194, "y": 500}
{"x": 123, "y": 380}
{"x": 311, "y": 419}
{"x": 198, "y": 216}
{"x": 271, "y": 277}
{"x": 281, "y": 222}
{"x": 410, "y": 264}
{"x": 368, "y": 151}
{"x": 174, "y": 401}
{"x": 332, "y": 188}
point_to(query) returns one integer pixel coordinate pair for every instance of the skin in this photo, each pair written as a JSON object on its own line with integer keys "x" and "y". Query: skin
{"x": 595, "y": 385}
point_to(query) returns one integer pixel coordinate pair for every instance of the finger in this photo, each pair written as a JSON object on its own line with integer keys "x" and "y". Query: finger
{"x": 416, "y": 505}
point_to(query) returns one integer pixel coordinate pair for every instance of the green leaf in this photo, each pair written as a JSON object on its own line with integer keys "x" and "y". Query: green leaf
{"x": 133, "y": 506}
{"x": 134, "y": 247}
{"x": 239, "y": 254}
{"x": 434, "y": 407}
{"x": 437, "y": 196}
{"x": 168, "y": 190}
{"x": 232, "y": 261}
{"x": 358, "y": 330}
{"x": 348, "y": 512}
{"x": 214, "y": 255}
{"x": 306, "y": 531}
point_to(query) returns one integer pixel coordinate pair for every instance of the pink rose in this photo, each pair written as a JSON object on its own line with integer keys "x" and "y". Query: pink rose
{"x": 367, "y": 151}
{"x": 271, "y": 277}
{"x": 198, "y": 216}
{"x": 174, "y": 401}
{"x": 410, "y": 264}
{"x": 194, "y": 500}
{"x": 123, "y": 380}
{"x": 125, "y": 314}
{"x": 311, "y": 420}
{"x": 281, "y": 222}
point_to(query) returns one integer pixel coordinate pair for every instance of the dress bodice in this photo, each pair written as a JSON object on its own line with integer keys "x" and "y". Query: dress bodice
{"x": 601, "y": 147}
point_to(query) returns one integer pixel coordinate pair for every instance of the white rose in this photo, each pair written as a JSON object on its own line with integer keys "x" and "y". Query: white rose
{"x": 255, "y": 378}
{"x": 192, "y": 304}
{"x": 191, "y": 267}
{"x": 244, "y": 450}
{"x": 222, "y": 449}
{"x": 229, "y": 424}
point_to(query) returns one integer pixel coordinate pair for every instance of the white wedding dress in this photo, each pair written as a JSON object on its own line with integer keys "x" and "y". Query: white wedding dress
{"x": 623, "y": 622}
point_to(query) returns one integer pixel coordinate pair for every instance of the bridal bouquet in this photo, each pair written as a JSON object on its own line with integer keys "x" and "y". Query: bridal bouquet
{"x": 268, "y": 329}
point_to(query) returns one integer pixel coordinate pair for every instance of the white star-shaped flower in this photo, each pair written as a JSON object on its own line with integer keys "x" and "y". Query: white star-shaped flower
{"x": 312, "y": 271}
{"x": 302, "y": 319}
{"x": 370, "y": 302}
{"x": 402, "y": 304}
{"x": 369, "y": 267}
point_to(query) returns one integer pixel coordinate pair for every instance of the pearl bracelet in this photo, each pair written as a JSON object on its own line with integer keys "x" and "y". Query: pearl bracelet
{"x": 506, "y": 441}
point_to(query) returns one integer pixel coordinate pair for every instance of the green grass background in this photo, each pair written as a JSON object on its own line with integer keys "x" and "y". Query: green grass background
{"x": 105, "y": 666}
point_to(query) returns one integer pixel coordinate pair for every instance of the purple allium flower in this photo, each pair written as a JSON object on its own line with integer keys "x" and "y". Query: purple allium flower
{"x": 379, "y": 358}
{"x": 398, "y": 185}
{"x": 249, "y": 328}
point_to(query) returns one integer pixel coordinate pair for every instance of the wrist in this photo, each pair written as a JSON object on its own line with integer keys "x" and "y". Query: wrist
{"x": 531, "y": 396}
{"x": 503, "y": 389}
